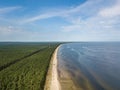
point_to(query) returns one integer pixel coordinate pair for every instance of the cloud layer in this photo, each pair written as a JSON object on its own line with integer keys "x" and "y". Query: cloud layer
{"x": 5, "y": 10}
{"x": 94, "y": 20}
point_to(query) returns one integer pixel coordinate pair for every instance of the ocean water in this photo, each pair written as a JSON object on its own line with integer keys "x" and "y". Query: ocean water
{"x": 89, "y": 66}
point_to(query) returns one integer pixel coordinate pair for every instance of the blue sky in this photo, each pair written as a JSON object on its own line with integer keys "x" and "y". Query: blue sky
{"x": 59, "y": 20}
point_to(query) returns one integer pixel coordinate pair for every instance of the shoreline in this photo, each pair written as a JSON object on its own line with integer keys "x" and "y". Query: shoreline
{"x": 52, "y": 82}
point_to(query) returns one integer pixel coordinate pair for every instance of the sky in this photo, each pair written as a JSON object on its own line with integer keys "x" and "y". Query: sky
{"x": 59, "y": 20}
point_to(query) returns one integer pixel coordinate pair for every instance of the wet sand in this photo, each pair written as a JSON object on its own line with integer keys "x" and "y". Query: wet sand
{"x": 65, "y": 77}
{"x": 65, "y": 80}
{"x": 52, "y": 82}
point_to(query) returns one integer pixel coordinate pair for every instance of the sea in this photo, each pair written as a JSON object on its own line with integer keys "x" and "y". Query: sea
{"x": 89, "y": 66}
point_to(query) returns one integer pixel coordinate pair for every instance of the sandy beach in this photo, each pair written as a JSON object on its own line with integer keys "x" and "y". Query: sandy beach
{"x": 52, "y": 82}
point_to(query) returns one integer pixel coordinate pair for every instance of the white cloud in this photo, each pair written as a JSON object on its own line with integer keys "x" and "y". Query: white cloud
{"x": 71, "y": 28}
{"x": 42, "y": 16}
{"x": 83, "y": 10}
{"x": 103, "y": 25}
{"x": 66, "y": 12}
{"x": 13, "y": 33}
{"x": 103, "y": 18}
{"x": 8, "y": 9}
{"x": 46, "y": 15}
{"x": 7, "y": 30}
{"x": 111, "y": 11}
{"x": 93, "y": 20}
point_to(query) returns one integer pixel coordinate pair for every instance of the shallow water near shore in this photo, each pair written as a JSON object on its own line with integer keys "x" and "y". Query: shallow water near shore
{"x": 89, "y": 66}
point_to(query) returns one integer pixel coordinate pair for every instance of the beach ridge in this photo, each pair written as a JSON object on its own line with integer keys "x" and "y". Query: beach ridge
{"x": 52, "y": 82}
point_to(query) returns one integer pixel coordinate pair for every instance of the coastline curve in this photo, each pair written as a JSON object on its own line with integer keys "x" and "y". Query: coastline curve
{"x": 52, "y": 82}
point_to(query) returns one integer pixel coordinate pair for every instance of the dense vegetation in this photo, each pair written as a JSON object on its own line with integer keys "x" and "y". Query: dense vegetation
{"x": 10, "y": 52}
{"x": 29, "y": 73}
